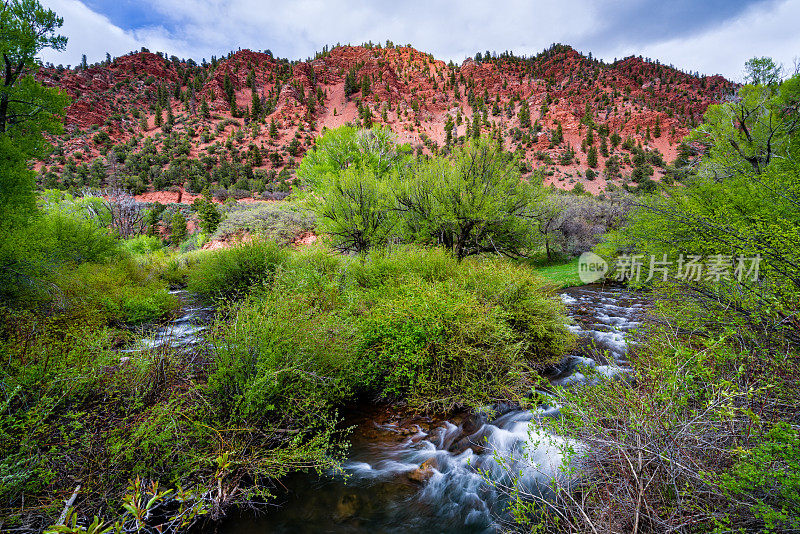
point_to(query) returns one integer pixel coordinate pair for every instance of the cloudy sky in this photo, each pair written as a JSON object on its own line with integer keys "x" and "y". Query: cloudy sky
{"x": 709, "y": 36}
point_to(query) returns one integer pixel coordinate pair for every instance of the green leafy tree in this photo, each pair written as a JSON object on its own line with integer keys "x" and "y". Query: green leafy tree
{"x": 348, "y": 172}
{"x": 762, "y": 71}
{"x": 27, "y": 108}
{"x": 742, "y": 202}
{"x": 475, "y": 203}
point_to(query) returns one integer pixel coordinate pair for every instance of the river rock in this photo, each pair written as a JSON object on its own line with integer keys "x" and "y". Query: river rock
{"x": 474, "y": 422}
{"x": 347, "y": 507}
{"x": 424, "y": 471}
{"x": 476, "y": 442}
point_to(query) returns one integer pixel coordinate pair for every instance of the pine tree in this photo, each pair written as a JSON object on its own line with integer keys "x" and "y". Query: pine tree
{"x": 255, "y": 107}
{"x": 204, "y": 111}
{"x": 524, "y": 116}
{"x": 227, "y": 85}
{"x": 208, "y": 213}
{"x": 273, "y": 129}
{"x": 159, "y": 116}
{"x": 558, "y": 136}
{"x": 615, "y": 139}
{"x": 448, "y": 129}
{"x": 591, "y": 157}
{"x": 350, "y": 83}
{"x": 178, "y": 227}
{"x": 476, "y": 127}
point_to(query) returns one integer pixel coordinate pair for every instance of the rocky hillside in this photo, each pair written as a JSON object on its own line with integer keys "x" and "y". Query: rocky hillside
{"x": 240, "y": 125}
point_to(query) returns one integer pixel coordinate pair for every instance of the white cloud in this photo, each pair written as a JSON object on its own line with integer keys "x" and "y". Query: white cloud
{"x": 200, "y": 29}
{"x": 93, "y": 34}
{"x": 770, "y": 30}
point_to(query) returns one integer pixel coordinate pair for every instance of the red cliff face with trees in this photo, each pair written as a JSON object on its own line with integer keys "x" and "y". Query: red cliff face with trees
{"x": 242, "y": 123}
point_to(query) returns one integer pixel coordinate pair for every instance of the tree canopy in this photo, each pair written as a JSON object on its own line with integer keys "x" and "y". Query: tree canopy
{"x": 27, "y": 109}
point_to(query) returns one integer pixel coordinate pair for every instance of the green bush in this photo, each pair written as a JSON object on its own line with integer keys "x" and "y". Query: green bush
{"x": 230, "y": 273}
{"x": 142, "y": 244}
{"x": 769, "y": 474}
{"x": 121, "y": 291}
{"x": 193, "y": 242}
{"x": 412, "y": 324}
{"x": 282, "y": 222}
{"x": 31, "y": 255}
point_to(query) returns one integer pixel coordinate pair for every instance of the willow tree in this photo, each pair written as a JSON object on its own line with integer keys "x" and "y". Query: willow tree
{"x": 348, "y": 172}
{"x": 475, "y": 202}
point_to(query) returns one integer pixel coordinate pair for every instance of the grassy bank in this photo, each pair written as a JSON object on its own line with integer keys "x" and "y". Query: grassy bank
{"x": 561, "y": 273}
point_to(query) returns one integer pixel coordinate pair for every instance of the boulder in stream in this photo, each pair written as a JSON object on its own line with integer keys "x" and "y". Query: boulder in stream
{"x": 424, "y": 472}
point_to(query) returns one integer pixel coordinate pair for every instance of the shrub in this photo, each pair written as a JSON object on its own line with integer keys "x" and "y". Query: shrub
{"x": 412, "y": 324}
{"x": 280, "y": 222}
{"x": 30, "y": 256}
{"x": 143, "y": 244}
{"x": 121, "y": 291}
{"x": 230, "y": 273}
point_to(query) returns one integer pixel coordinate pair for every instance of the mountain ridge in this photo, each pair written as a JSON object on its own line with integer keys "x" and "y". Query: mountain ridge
{"x": 213, "y": 120}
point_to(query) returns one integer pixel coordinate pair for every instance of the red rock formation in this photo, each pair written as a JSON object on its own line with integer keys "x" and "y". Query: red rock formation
{"x": 409, "y": 90}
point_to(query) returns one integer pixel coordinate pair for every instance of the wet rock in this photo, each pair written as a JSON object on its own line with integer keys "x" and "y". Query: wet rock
{"x": 424, "y": 471}
{"x": 410, "y": 431}
{"x": 476, "y": 442}
{"x": 347, "y": 507}
{"x": 474, "y": 422}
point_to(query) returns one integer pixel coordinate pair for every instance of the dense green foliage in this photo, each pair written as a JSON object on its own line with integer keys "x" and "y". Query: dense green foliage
{"x": 350, "y": 171}
{"x": 232, "y": 272}
{"x": 408, "y": 324}
{"x": 427, "y": 316}
{"x": 743, "y": 202}
{"x": 280, "y": 222}
{"x": 367, "y": 193}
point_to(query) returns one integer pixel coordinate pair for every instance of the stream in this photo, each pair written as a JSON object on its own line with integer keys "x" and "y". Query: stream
{"x": 183, "y": 332}
{"x": 384, "y": 489}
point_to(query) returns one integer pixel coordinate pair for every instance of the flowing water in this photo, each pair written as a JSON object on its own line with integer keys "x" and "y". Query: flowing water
{"x": 383, "y": 488}
{"x": 183, "y": 332}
